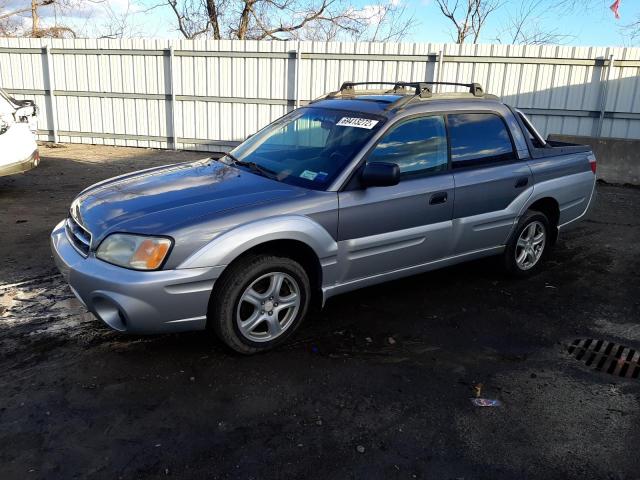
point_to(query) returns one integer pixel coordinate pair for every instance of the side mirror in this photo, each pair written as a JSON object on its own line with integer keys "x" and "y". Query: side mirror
{"x": 26, "y": 112}
{"x": 380, "y": 174}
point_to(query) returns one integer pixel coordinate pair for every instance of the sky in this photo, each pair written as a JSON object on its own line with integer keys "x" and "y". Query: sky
{"x": 594, "y": 24}
{"x": 591, "y": 22}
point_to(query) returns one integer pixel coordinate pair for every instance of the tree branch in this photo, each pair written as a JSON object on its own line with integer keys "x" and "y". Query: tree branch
{"x": 43, "y": 3}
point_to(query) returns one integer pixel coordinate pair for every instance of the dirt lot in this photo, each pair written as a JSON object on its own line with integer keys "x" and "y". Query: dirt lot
{"x": 341, "y": 400}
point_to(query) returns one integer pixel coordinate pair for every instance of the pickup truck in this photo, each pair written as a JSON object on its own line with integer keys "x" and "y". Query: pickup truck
{"x": 359, "y": 187}
{"x": 17, "y": 139}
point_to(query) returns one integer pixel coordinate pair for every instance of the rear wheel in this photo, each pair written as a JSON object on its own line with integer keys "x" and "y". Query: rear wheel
{"x": 528, "y": 245}
{"x": 259, "y": 302}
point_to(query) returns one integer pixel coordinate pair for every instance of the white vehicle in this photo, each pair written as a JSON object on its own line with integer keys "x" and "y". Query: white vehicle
{"x": 18, "y": 147}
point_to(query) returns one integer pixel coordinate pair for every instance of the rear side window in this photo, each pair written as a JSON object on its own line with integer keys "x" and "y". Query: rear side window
{"x": 417, "y": 146}
{"x": 478, "y": 139}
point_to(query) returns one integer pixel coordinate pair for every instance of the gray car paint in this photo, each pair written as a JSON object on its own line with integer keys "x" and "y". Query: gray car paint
{"x": 216, "y": 212}
{"x": 407, "y": 230}
{"x": 483, "y": 196}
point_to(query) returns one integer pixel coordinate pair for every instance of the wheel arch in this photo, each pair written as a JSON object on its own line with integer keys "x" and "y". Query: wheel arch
{"x": 229, "y": 245}
{"x": 290, "y": 248}
{"x": 551, "y": 208}
{"x": 295, "y": 236}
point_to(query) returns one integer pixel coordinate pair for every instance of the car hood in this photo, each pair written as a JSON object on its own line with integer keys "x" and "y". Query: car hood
{"x": 157, "y": 200}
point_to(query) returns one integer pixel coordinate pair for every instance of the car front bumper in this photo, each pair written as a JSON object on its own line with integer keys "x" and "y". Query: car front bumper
{"x": 135, "y": 301}
{"x": 23, "y": 166}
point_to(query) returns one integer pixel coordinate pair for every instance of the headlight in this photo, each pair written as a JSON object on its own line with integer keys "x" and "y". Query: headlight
{"x": 134, "y": 251}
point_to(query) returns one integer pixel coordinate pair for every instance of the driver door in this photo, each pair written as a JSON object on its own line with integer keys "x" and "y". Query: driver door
{"x": 383, "y": 229}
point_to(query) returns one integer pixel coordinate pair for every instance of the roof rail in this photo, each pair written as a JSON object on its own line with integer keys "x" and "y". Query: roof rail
{"x": 474, "y": 88}
{"x": 348, "y": 88}
{"x": 421, "y": 90}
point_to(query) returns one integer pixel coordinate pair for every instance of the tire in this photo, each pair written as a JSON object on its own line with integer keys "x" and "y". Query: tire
{"x": 531, "y": 223}
{"x": 248, "y": 314}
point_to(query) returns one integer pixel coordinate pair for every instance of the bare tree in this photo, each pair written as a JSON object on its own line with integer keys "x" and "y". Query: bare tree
{"x": 388, "y": 22}
{"x": 290, "y": 19}
{"x": 33, "y": 8}
{"x": 12, "y": 22}
{"x": 117, "y": 22}
{"x": 525, "y": 25}
{"x": 632, "y": 31}
{"x": 193, "y": 18}
{"x": 468, "y": 16}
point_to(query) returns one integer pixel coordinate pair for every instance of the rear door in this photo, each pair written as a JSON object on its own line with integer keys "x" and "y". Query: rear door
{"x": 382, "y": 229}
{"x": 490, "y": 181}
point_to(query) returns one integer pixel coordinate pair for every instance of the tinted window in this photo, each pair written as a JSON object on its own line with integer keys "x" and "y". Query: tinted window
{"x": 416, "y": 146}
{"x": 478, "y": 138}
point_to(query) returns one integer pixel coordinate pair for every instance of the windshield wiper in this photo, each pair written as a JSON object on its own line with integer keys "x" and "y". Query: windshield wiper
{"x": 231, "y": 156}
{"x": 254, "y": 167}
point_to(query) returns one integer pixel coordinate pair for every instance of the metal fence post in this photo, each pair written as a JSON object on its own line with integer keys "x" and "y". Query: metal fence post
{"x": 49, "y": 91}
{"x": 603, "y": 96}
{"x": 296, "y": 86}
{"x": 440, "y": 62}
{"x": 172, "y": 93}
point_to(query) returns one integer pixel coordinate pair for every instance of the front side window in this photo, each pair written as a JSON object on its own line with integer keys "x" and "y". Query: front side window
{"x": 478, "y": 139}
{"x": 417, "y": 146}
{"x": 308, "y": 147}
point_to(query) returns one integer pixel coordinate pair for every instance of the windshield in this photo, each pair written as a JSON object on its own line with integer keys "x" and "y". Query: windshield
{"x": 308, "y": 147}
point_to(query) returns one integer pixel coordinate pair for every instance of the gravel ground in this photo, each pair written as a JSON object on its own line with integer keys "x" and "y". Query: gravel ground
{"x": 377, "y": 385}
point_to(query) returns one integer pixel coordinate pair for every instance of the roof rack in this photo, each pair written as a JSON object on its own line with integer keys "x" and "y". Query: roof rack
{"x": 421, "y": 90}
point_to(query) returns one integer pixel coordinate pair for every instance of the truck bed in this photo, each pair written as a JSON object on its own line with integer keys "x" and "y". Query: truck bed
{"x": 555, "y": 148}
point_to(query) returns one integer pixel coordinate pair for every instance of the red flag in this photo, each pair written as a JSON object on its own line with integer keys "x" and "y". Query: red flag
{"x": 614, "y": 8}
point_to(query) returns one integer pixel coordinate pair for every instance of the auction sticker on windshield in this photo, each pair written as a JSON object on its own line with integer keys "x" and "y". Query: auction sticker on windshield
{"x": 357, "y": 122}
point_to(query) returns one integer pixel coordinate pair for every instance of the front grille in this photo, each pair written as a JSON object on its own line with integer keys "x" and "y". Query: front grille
{"x": 79, "y": 236}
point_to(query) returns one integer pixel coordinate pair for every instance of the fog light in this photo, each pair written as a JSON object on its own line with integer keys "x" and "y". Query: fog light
{"x": 110, "y": 313}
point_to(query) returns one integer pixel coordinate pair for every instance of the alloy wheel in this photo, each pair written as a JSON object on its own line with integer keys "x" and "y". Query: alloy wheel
{"x": 268, "y": 306}
{"x": 530, "y": 245}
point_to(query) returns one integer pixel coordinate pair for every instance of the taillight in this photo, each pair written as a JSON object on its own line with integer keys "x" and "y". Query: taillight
{"x": 592, "y": 162}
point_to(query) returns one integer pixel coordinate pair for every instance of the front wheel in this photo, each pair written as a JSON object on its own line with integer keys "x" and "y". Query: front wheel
{"x": 259, "y": 302}
{"x": 528, "y": 245}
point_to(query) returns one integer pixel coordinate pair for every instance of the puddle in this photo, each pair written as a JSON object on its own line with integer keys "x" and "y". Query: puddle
{"x": 41, "y": 307}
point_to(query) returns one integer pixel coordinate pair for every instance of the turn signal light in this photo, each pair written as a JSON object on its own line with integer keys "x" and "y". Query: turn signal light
{"x": 150, "y": 254}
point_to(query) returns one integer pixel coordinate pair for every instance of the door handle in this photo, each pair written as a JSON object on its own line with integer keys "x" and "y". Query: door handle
{"x": 522, "y": 182}
{"x": 439, "y": 197}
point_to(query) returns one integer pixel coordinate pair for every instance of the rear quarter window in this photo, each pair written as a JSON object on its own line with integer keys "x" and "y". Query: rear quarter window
{"x": 478, "y": 139}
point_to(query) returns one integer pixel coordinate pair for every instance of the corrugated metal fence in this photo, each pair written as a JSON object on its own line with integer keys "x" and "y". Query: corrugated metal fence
{"x": 211, "y": 94}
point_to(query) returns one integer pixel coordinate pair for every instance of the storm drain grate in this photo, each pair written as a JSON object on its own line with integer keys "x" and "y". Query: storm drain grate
{"x": 605, "y": 356}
